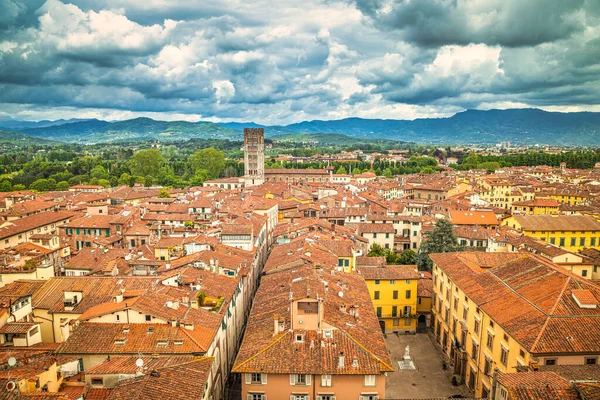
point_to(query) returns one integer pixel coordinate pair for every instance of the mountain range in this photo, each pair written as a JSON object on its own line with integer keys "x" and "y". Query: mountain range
{"x": 519, "y": 126}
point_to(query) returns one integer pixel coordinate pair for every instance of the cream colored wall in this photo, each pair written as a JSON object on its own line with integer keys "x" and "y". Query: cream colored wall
{"x": 42, "y": 317}
{"x": 8, "y": 278}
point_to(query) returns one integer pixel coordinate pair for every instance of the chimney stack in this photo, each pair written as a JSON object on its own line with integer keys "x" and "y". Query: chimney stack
{"x": 341, "y": 361}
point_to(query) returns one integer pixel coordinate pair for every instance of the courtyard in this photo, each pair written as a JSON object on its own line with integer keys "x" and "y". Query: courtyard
{"x": 428, "y": 379}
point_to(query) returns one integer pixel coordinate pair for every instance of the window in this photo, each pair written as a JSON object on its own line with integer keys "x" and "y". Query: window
{"x": 592, "y": 242}
{"x": 378, "y": 312}
{"x": 521, "y": 353}
{"x": 370, "y": 380}
{"x": 408, "y": 294}
{"x": 300, "y": 379}
{"x": 374, "y": 236}
{"x": 582, "y": 241}
{"x": 325, "y": 397}
{"x": 487, "y": 368}
{"x": 550, "y": 361}
{"x": 584, "y": 272}
{"x": 118, "y": 317}
{"x": 476, "y": 326}
{"x": 148, "y": 318}
{"x": 474, "y": 352}
{"x": 490, "y": 341}
{"x": 573, "y": 241}
{"x": 97, "y": 380}
{"x": 325, "y": 380}
{"x": 299, "y": 338}
{"x": 299, "y": 397}
{"x": 504, "y": 356}
{"x": 377, "y": 281}
{"x": 256, "y": 396}
{"x": 591, "y": 361}
{"x": 562, "y": 242}
{"x": 376, "y": 295}
{"x": 465, "y": 312}
{"x": 394, "y": 311}
{"x": 392, "y": 281}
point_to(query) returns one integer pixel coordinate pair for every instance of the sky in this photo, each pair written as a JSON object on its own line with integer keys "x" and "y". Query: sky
{"x": 285, "y": 61}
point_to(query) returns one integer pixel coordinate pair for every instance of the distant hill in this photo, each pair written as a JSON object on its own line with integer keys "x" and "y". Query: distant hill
{"x": 330, "y": 138}
{"x": 519, "y": 126}
{"x": 21, "y": 139}
{"x": 96, "y": 131}
{"x": 16, "y": 125}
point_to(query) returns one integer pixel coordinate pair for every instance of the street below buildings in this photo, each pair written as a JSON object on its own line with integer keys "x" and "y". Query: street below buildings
{"x": 428, "y": 379}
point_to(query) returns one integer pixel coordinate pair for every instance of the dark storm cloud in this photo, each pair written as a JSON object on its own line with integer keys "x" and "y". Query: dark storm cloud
{"x": 510, "y": 23}
{"x": 315, "y": 59}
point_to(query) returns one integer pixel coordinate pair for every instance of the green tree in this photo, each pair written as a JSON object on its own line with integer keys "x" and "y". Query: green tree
{"x": 62, "y": 186}
{"x": 146, "y": 163}
{"x": 125, "y": 179}
{"x": 99, "y": 172}
{"x": 104, "y": 182}
{"x": 440, "y": 240}
{"x": 376, "y": 250}
{"x": 341, "y": 170}
{"x": 18, "y": 187}
{"x": 407, "y": 257}
{"x": 199, "y": 177}
{"x": 5, "y": 186}
{"x": 43, "y": 185}
{"x": 210, "y": 159}
{"x": 387, "y": 173}
{"x": 164, "y": 194}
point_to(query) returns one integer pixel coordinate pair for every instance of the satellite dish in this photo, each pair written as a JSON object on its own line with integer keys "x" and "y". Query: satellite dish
{"x": 170, "y": 304}
{"x": 12, "y": 361}
{"x": 10, "y": 386}
{"x": 139, "y": 362}
{"x": 341, "y": 294}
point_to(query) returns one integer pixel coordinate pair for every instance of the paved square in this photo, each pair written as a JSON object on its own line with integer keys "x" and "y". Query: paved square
{"x": 428, "y": 380}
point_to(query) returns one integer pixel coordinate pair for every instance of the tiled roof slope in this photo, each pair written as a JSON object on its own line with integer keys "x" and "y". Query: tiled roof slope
{"x": 358, "y": 338}
{"x": 530, "y": 297}
{"x": 102, "y": 338}
{"x": 185, "y": 381}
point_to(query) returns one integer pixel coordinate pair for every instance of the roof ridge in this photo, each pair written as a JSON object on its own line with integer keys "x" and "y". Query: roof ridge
{"x": 193, "y": 360}
{"x": 362, "y": 347}
{"x": 559, "y": 298}
{"x": 261, "y": 351}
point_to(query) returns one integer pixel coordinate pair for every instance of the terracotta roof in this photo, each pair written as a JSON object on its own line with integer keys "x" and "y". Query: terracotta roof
{"x": 32, "y": 222}
{"x": 358, "y": 338}
{"x": 123, "y": 339}
{"x": 558, "y": 222}
{"x": 398, "y": 272}
{"x": 537, "y": 386}
{"x": 185, "y": 381}
{"x": 473, "y": 217}
{"x": 528, "y": 296}
{"x": 17, "y": 327}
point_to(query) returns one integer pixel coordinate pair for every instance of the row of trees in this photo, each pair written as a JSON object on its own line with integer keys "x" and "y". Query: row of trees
{"x": 51, "y": 171}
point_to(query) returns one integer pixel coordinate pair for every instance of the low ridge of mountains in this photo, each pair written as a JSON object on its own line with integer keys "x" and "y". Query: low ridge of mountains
{"x": 518, "y": 126}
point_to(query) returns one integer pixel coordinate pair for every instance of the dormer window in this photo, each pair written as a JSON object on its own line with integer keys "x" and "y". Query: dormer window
{"x": 299, "y": 338}
{"x": 150, "y": 329}
{"x": 162, "y": 343}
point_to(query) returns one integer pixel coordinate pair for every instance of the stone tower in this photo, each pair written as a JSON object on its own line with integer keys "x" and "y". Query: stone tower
{"x": 254, "y": 156}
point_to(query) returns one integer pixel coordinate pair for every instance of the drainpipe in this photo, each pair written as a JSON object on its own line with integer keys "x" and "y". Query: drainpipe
{"x": 495, "y": 382}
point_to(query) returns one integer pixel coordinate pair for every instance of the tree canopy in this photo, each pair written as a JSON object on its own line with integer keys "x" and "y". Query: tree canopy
{"x": 440, "y": 240}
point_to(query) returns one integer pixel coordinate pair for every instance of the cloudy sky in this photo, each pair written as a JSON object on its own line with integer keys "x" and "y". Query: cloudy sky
{"x": 246, "y": 60}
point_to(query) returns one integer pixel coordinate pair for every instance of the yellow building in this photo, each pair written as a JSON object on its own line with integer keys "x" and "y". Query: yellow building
{"x": 535, "y": 207}
{"x": 505, "y": 312}
{"x": 393, "y": 289}
{"x": 571, "y": 232}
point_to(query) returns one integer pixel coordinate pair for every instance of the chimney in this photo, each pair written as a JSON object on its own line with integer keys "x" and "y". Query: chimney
{"x": 275, "y": 325}
{"x": 341, "y": 361}
{"x": 343, "y": 308}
